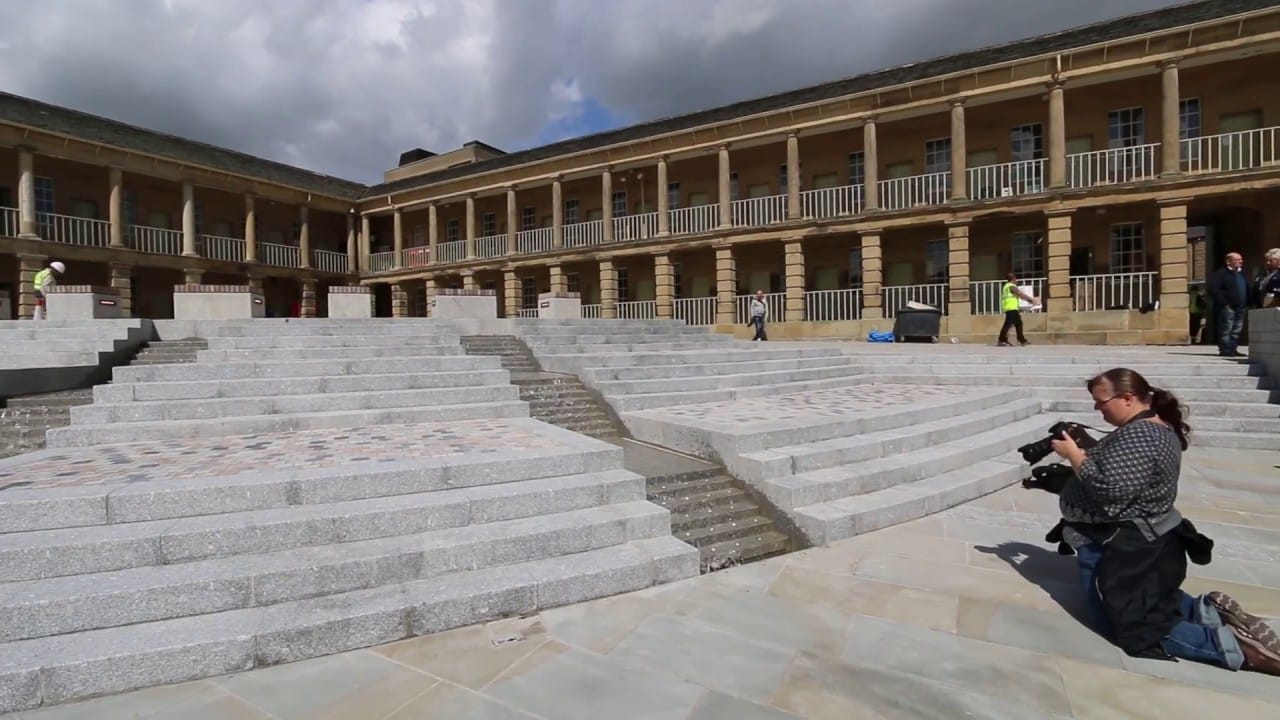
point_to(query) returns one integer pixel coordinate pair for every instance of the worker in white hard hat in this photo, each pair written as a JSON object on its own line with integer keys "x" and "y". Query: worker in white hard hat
{"x": 45, "y": 281}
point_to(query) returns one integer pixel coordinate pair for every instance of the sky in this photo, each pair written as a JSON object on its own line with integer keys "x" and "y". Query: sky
{"x": 343, "y": 87}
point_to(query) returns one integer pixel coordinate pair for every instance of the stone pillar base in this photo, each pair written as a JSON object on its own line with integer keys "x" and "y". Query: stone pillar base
{"x": 350, "y": 302}
{"x": 122, "y": 283}
{"x": 28, "y": 266}
{"x": 217, "y": 302}
{"x": 307, "y": 308}
{"x": 83, "y": 302}
{"x": 465, "y": 304}
{"x": 559, "y": 305}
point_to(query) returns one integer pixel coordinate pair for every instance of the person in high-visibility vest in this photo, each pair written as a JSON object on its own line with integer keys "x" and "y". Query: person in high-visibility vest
{"x": 1010, "y": 302}
{"x": 45, "y": 281}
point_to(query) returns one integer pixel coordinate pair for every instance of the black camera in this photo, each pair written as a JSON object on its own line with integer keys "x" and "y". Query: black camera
{"x": 1040, "y": 449}
{"x": 1050, "y": 478}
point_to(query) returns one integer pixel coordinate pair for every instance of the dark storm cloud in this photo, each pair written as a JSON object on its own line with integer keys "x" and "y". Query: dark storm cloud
{"x": 343, "y": 86}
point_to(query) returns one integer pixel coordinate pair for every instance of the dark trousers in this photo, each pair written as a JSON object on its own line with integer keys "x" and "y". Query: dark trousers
{"x": 1230, "y": 325}
{"x": 758, "y": 322}
{"x": 1012, "y": 319}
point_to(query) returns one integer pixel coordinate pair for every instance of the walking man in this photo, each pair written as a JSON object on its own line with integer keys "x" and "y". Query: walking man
{"x": 759, "y": 312}
{"x": 1229, "y": 291}
{"x": 1266, "y": 287}
{"x": 1010, "y": 302}
{"x": 45, "y": 281}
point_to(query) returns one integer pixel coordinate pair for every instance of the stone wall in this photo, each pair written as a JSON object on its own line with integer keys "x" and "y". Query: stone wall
{"x": 1264, "y": 339}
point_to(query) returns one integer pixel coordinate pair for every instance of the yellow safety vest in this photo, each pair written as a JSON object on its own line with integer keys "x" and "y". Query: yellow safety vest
{"x": 1008, "y": 301}
{"x": 42, "y": 278}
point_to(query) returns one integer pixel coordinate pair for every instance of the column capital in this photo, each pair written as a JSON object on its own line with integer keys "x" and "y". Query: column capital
{"x": 722, "y": 147}
{"x": 663, "y": 158}
{"x": 1055, "y": 84}
{"x": 509, "y": 187}
{"x": 958, "y": 223}
{"x": 1169, "y": 63}
{"x": 957, "y": 102}
{"x": 869, "y": 119}
{"x": 793, "y": 134}
{"x": 26, "y": 148}
{"x": 1174, "y": 201}
{"x": 1060, "y": 212}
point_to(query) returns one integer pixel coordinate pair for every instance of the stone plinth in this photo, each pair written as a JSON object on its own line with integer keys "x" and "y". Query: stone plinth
{"x": 559, "y": 305}
{"x": 83, "y": 302}
{"x": 350, "y": 302}
{"x": 466, "y": 304}
{"x": 217, "y": 302}
{"x": 1264, "y": 339}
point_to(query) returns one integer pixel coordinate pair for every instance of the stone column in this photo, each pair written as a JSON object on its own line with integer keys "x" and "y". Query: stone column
{"x": 608, "y": 290}
{"x": 663, "y": 285}
{"x": 959, "y": 155}
{"x": 1057, "y": 138}
{"x": 397, "y": 238}
{"x": 1174, "y": 271}
{"x": 513, "y": 221}
{"x": 353, "y": 257}
{"x": 871, "y": 168}
{"x": 468, "y": 279}
{"x": 366, "y": 241}
{"x": 958, "y": 310}
{"x": 606, "y": 205}
{"x": 664, "y": 200}
{"x": 872, "y": 277}
{"x": 558, "y": 283}
{"x": 429, "y": 294}
{"x": 471, "y": 226}
{"x": 399, "y": 300}
{"x": 794, "y": 211}
{"x": 192, "y": 276}
{"x": 27, "y": 196}
{"x": 557, "y": 214}
{"x": 250, "y": 230}
{"x": 28, "y": 266}
{"x": 115, "y": 211}
{"x": 256, "y": 282}
{"x": 304, "y": 239}
{"x": 726, "y": 287}
{"x": 433, "y": 231}
{"x": 793, "y": 256}
{"x": 726, "y": 207}
{"x": 122, "y": 283}
{"x": 1058, "y": 262}
{"x": 189, "y": 220}
{"x": 307, "y": 308}
{"x": 1170, "y": 123}
{"x": 510, "y": 293}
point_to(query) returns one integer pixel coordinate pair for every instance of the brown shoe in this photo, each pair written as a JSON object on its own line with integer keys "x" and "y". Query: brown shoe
{"x": 1235, "y": 616}
{"x": 1256, "y": 656}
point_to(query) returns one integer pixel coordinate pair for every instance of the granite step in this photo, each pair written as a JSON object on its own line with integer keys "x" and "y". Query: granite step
{"x": 48, "y": 671}
{"x": 658, "y": 400}
{"x": 179, "y": 410}
{"x": 204, "y": 389}
{"x": 107, "y": 434}
{"x": 272, "y": 342}
{"x": 827, "y": 522}
{"x": 303, "y": 368}
{"x": 1227, "y": 432}
{"x": 50, "y": 401}
{"x": 1179, "y": 384}
{"x": 680, "y": 385}
{"x": 54, "y": 606}
{"x": 739, "y": 364}
{"x": 330, "y": 353}
{"x": 1234, "y": 411}
{"x": 730, "y": 553}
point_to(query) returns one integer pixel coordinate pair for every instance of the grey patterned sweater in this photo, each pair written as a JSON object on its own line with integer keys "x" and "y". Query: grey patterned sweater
{"x": 1131, "y": 474}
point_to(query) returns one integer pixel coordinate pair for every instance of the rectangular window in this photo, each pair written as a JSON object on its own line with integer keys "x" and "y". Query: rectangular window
{"x": 571, "y": 211}
{"x": 87, "y": 209}
{"x": 528, "y": 218}
{"x": 619, "y": 203}
{"x": 418, "y": 236}
{"x": 624, "y": 285}
{"x": 131, "y": 209}
{"x": 44, "y": 195}
{"x": 1028, "y": 254}
{"x": 855, "y": 268}
{"x": 451, "y": 231}
{"x": 1189, "y": 126}
{"x": 1026, "y": 142}
{"x": 937, "y": 258}
{"x": 488, "y": 224}
{"x": 676, "y": 281}
{"x": 1127, "y": 252}
{"x": 733, "y": 186}
{"x": 857, "y": 168}
{"x": 937, "y": 156}
{"x": 782, "y": 179}
{"x": 1126, "y": 127}
{"x": 673, "y": 196}
{"x": 528, "y": 293}
{"x": 573, "y": 282}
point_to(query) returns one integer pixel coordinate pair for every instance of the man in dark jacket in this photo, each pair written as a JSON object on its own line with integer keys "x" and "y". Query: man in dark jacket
{"x": 1229, "y": 290}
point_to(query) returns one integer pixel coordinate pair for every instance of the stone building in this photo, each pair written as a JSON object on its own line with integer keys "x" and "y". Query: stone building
{"x": 1108, "y": 166}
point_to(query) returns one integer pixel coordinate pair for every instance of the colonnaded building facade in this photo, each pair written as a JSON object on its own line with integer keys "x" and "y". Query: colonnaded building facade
{"x": 1108, "y": 166}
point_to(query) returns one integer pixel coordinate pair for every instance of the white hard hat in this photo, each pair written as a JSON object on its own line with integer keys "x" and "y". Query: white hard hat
{"x": 58, "y": 266}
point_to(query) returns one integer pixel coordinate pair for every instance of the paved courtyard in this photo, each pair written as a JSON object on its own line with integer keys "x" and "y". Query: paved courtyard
{"x": 962, "y": 614}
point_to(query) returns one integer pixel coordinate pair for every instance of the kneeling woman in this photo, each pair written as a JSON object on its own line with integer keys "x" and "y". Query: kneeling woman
{"x": 1132, "y": 544}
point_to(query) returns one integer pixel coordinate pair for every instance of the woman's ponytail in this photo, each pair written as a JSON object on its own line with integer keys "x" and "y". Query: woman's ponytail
{"x": 1168, "y": 409}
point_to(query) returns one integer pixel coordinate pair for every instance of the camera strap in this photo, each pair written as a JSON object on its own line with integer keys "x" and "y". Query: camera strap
{"x": 1144, "y": 415}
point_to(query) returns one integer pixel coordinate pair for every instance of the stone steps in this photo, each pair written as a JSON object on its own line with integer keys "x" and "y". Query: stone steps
{"x": 680, "y": 384}
{"x": 1184, "y": 385}
{"x": 742, "y": 363}
{"x": 564, "y": 401}
{"x": 299, "y": 368}
{"x": 205, "y": 389}
{"x": 281, "y": 342}
{"x": 331, "y": 353}
{"x": 84, "y": 664}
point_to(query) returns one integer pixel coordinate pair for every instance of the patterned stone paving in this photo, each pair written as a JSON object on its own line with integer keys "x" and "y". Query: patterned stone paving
{"x": 234, "y": 455}
{"x": 803, "y": 406}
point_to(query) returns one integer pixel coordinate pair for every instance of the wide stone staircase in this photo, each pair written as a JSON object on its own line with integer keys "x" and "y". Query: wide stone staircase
{"x": 170, "y": 352}
{"x": 304, "y": 488}
{"x": 53, "y": 355}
